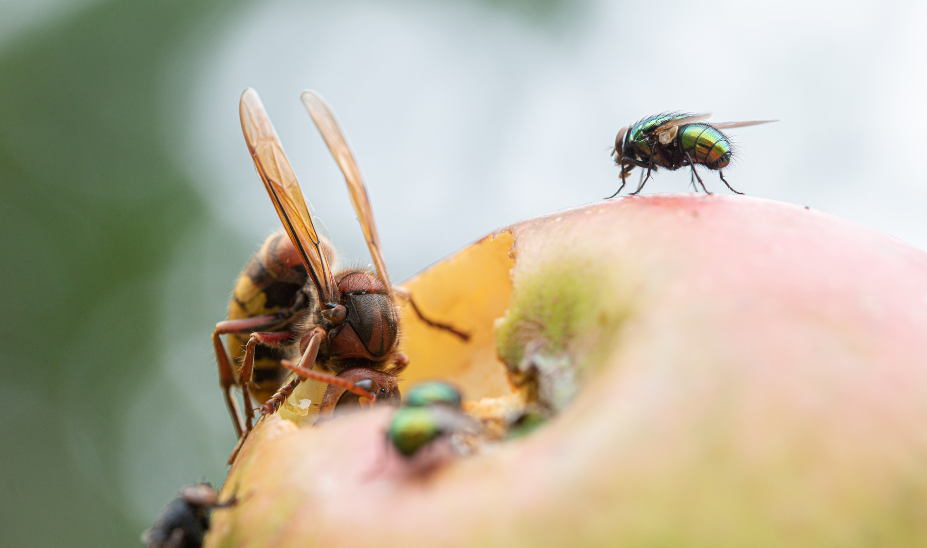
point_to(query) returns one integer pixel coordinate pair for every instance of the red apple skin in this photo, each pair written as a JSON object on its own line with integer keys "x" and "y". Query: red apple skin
{"x": 752, "y": 374}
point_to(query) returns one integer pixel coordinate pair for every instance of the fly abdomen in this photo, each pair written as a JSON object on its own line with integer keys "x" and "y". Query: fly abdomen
{"x": 706, "y": 145}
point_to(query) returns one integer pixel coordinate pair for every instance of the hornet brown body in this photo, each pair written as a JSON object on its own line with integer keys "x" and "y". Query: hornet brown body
{"x": 290, "y": 313}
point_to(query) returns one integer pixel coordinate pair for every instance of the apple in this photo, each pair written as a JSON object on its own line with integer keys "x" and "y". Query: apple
{"x": 720, "y": 371}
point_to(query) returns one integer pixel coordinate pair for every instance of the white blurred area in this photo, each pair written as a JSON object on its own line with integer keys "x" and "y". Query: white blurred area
{"x": 464, "y": 117}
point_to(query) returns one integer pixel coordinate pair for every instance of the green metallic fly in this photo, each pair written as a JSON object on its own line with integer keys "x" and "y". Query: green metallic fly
{"x": 673, "y": 140}
{"x": 431, "y": 411}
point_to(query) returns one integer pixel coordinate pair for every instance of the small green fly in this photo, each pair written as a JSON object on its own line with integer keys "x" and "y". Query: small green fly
{"x": 430, "y": 411}
{"x": 673, "y": 140}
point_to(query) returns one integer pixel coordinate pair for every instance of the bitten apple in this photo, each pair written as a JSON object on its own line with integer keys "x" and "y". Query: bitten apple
{"x": 720, "y": 371}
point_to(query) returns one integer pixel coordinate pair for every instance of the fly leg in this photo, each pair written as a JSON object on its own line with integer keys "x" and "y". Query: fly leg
{"x": 726, "y": 183}
{"x": 644, "y": 180}
{"x": 406, "y": 295}
{"x": 624, "y": 179}
{"x": 640, "y": 182}
{"x": 627, "y": 165}
{"x": 692, "y": 167}
{"x": 226, "y": 372}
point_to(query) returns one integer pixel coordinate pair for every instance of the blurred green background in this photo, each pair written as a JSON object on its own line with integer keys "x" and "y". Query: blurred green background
{"x": 93, "y": 210}
{"x": 95, "y": 216}
{"x": 128, "y": 202}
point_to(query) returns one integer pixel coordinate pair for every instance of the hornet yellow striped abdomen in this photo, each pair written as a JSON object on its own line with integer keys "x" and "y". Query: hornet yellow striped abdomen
{"x": 273, "y": 281}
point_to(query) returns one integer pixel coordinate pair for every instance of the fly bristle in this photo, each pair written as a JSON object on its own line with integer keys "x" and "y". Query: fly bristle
{"x": 735, "y": 149}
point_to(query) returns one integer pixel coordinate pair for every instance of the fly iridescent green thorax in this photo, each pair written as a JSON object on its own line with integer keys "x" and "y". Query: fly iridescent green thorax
{"x": 673, "y": 140}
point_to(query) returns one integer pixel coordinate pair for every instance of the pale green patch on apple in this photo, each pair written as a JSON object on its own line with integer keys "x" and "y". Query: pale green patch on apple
{"x": 563, "y": 317}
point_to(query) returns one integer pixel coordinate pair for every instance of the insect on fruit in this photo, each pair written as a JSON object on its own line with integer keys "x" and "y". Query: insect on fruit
{"x": 431, "y": 411}
{"x": 184, "y": 521}
{"x": 434, "y": 393}
{"x": 341, "y": 328}
{"x": 673, "y": 140}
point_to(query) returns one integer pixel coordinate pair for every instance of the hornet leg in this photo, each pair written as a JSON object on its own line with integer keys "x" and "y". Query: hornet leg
{"x": 273, "y": 339}
{"x": 304, "y": 367}
{"x": 226, "y": 372}
{"x": 275, "y": 401}
{"x": 400, "y": 362}
{"x": 309, "y": 356}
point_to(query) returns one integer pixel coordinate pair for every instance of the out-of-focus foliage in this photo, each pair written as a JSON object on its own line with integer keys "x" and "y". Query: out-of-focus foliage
{"x": 92, "y": 211}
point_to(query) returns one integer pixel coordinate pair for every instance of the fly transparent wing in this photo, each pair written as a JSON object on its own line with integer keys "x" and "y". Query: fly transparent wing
{"x": 690, "y": 119}
{"x": 334, "y": 138}
{"x": 729, "y": 125}
{"x": 280, "y": 181}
